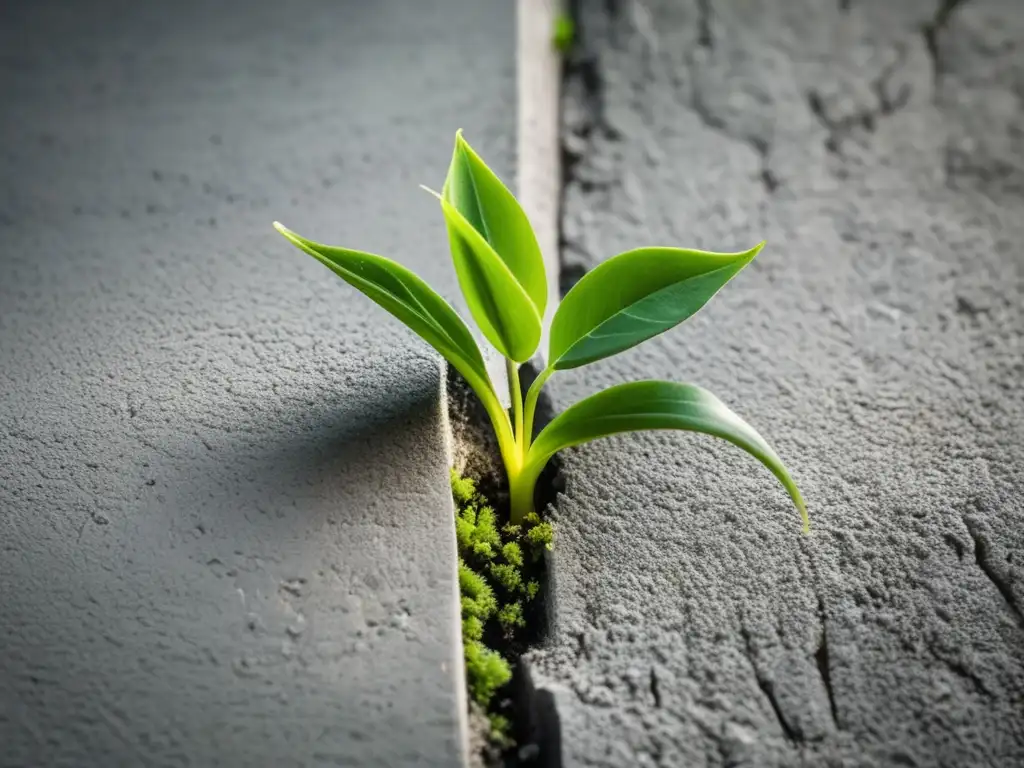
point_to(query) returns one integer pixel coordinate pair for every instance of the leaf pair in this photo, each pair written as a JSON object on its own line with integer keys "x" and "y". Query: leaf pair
{"x": 497, "y": 259}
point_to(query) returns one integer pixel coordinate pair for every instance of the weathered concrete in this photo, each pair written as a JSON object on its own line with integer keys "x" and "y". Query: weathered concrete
{"x": 877, "y": 342}
{"x": 225, "y": 532}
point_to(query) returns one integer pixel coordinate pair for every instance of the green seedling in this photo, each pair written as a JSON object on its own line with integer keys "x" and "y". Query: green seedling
{"x": 624, "y": 301}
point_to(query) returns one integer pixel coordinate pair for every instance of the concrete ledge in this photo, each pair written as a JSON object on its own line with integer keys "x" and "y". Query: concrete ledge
{"x": 226, "y": 531}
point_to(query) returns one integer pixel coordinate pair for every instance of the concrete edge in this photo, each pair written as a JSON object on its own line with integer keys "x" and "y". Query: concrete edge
{"x": 458, "y": 653}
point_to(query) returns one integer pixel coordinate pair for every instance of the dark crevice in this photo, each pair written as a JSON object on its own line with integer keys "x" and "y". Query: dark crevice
{"x": 889, "y": 103}
{"x": 821, "y": 659}
{"x": 959, "y": 669}
{"x": 540, "y": 727}
{"x": 986, "y": 562}
{"x": 705, "y": 39}
{"x": 533, "y": 729}
{"x": 758, "y": 143}
{"x": 570, "y": 274}
{"x": 839, "y": 129}
{"x": 655, "y": 692}
{"x": 767, "y": 687}
{"x": 933, "y": 29}
{"x": 845, "y": 5}
{"x": 956, "y": 545}
{"x": 767, "y": 175}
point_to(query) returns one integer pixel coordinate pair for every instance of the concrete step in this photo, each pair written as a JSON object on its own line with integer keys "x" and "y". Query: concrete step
{"x": 225, "y": 535}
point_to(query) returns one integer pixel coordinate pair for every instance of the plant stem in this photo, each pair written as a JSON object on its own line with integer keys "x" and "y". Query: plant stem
{"x": 531, "y": 407}
{"x": 520, "y": 496}
{"x": 516, "y": 393}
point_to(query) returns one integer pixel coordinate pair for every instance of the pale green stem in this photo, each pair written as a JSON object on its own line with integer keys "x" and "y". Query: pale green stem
{"x": 516, "y": 393}
{"x": 531, "y": 407}
{"x": 522, "y": 481}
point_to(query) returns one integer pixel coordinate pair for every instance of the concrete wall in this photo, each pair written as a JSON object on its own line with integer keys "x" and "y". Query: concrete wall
{"x": 876, "y": 342}
{"x": 225, "y": 526}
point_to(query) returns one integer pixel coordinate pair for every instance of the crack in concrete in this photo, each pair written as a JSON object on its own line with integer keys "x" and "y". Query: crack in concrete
{"x": 760, "y": 145}
{"x": 984, "y": 558}
{"x": 824, "y": 668}
{"x": 931, "y": 31}
{"x": 655, "y": 691}
{"x": 705, "y": 39}
{"x": 957, "y": 667}
{"x": 888, "y": 104}
{"x": 767, "y": 687}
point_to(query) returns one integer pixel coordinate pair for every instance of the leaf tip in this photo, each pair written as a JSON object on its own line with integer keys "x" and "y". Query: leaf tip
{"x": 436, "y": 194}
{"x": 802, "y": 508}
{"x": 292, "y": 236}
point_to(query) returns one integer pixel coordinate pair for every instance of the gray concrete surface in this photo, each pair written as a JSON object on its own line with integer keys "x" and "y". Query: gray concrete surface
{"x": 877, "y": 342}
{"x": 225, "y": 532}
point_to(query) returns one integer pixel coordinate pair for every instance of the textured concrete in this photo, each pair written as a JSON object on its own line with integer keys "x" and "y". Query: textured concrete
{"x": 877, "y": 342}
{"x": 225, "y": 532}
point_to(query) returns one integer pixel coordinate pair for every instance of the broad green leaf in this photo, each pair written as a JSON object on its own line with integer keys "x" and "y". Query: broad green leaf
{"x": 656, "y": 405}
{"x": 478, "y": 194}
{"x": 407, "y": 297}
{"x": 634, "y": 296}
{"x": 498, "y": 303}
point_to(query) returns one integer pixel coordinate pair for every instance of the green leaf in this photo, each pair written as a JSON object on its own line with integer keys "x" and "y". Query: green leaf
{"x": 478, "y": 194}
{"x": 656, "y": 405}
{"x": 498, "y": 303}
{"x": 408, "y": 298}
{"x": 634, "y": 296}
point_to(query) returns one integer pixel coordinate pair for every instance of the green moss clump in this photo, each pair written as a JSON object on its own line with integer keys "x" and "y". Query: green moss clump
{"x": 513, "y": 554}
{"x": 511, "y": 617}
{"x": 472, "y": 628}
{"x": 508, "y": 576}
{"x": 540, "y": 535}
{"x": 494, "y": 591}
{"x": 477, "y": 596}
{"x": 486, "y": 671}
{"x": 463, "y": 488}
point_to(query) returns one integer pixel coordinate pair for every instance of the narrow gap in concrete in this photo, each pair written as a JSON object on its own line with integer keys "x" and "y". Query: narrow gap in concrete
{"x": 530, "y": 710}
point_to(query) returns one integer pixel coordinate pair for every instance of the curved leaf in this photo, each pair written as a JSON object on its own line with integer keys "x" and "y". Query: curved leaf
{"x": 407, "y": 297}
{"x": 478, "y": 194}
{"x": 634, "y": 296}
{"x": 500, "y": 306}
{"x": 656, "y": 405}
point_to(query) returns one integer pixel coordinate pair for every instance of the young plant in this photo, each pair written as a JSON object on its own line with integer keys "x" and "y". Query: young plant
{"x": 624, "y": 301}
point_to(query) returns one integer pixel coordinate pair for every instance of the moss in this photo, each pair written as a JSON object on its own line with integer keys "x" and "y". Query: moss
{"x": 472, "y": 628}
{"x": 541, "y": 537}
{"x": 464, "y": 532}
{"x": 494, "y": 591}
{"x": 486, "y": 528}
{"x": 463, "y": 488}
{"x": 513, "y": 554}
{"x": 511, "y": 617}
{"x": 477, "y": 596}
{"x": 507, "y": 576}
{"x": 486, "y": 671}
